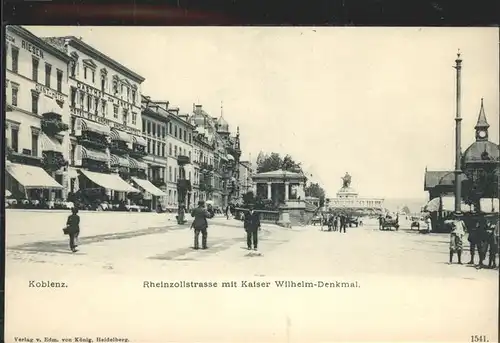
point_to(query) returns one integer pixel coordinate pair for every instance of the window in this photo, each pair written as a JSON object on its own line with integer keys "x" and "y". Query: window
{"x": 134, "y": 118}
{"x": 72, "y": 97}
{"x": 34, "y": 144}
{"x": 185, "y": 136}
{"x": 85, "y": 73}
{"x": 93, "y": 76}
{"x": 115, "y": 111}
{"x": 103, "y": 84}
{"x": 175, "y": 131}
{"x": 170, "y": 128}
{"x": 82, "y": 99}
{"x": 34, "y": 64}
{"x": 149, "y": 146}
{"x": 96, "y": 106}
{"x": 133, "y": 97}
{"x": 175, "y": 174}
{"x": 14, "y": 133}
{"x": 15, "y": 90}
{"x": 104, "y": 109}
{"x": 169, "y": 174}
{"x": 158, "y": 131}
{"x": 163, "y": 150}
{"x": 34, "y": 102}
{"x": 59, "y": 80}
{"x": 128, "y": 93}
{"x": 89, "y": 102}
{"x": 15, "y": 59}
{"x": 125, "y": 117}
{"x": 189, "y": 176}
{"x": 154, "y": 148}
{"x": 189, "y": 137}
{"x": 154, "y": 129}
{"x": 175, "y": 151}
{"x": 163, "y": 132}
{"x": 189, "y": 154}
{"x": 48, "y": 70}
{"x": 143, "y": 125}
{"x": 149, "y": 127}
{"x": 158, "y": 148}
{"x": 170, "y": 149}
{"x": 121, "y": 90}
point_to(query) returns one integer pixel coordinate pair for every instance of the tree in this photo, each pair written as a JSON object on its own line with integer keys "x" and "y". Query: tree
{"x": 315, "y": 190}
{"x": 406, "y": 210}
{"x": 274, "y": 161}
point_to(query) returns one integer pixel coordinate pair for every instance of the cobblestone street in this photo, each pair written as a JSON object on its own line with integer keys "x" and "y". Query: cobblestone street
{"x": 119, "y": 251}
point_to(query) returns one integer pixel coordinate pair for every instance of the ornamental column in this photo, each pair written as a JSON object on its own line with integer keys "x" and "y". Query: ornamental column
{"x": 269, "y": 191}
{"x": 458, "y": 134}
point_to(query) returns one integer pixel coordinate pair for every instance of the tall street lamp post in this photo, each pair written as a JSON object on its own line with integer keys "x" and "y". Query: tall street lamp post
{"x": 458, "y": 148}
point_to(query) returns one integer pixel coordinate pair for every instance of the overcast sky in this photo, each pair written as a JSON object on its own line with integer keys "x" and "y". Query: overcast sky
{"x": 376, "y": 102}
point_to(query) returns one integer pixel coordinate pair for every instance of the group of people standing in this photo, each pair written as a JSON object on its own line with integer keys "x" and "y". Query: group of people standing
{"x": 483, "y": 237}
{"x": 334, "y": 222}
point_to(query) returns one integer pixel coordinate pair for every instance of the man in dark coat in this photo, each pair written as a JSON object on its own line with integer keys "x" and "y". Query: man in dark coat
{"x": 343, "y": 223}
{"x": 252, "y": 225}
{"x": 200, "y": 224}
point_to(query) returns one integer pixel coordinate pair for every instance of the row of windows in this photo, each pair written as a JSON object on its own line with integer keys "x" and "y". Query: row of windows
{"x": 160, "y": 131}
{"x": 14, "y": 142}
{"x": 158, "y": 148}
{"x": 172, "y": 176}
{"x": 94, "y": 104}
{"x": 35, "y": 63}
{"x": 129, "y": 93}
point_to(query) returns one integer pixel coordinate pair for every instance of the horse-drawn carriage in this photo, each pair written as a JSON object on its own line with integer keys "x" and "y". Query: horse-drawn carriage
{"x": 388, "y": 223}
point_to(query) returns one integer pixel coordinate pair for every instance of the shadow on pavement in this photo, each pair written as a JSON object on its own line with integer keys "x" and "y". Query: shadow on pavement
{"x": 62, "y": 246}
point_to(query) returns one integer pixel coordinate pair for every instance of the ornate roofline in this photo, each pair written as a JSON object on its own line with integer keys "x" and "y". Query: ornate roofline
{"x": 21, "y": 31}
{"x": 79, "y": 44}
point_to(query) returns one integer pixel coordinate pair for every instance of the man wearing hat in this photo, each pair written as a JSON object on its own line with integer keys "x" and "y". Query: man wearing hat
{"x": 200, "y": 223}
{"x": 252, "y": 225}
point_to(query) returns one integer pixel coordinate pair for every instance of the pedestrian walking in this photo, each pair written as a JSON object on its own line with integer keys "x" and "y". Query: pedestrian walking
{"x": 252, "y": 226}
{"x": 428, "y": 222}
{"x": 492, "y": 243}
{"x": 456, "y": 237}
{"x": 73, "y": 228}
{"x": 335, "y": 223}
{"x": 200, "y": 223}
{"x": 342, "y": 223}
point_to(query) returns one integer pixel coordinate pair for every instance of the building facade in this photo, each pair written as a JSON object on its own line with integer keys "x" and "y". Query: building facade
{"x": 245, "y": 178}
{"x": 155, "y": 124}
{"x": 107, "y": 146}
{"x": 180, "y": 143}
{"x": 36, "y": 118}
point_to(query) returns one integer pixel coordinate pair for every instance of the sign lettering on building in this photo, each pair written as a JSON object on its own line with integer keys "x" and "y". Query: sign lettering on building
{"x": 33, "y": 49}
{"x": 104, "y": 121}
{"x": 50, "y": 93}
{"x": 120, "y": 102}
{"x": 10, "y": 39}
{"x": 88, "y": 89}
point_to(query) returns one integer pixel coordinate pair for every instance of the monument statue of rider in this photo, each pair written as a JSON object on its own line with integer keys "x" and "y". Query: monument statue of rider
{"x": 346, "y": 180}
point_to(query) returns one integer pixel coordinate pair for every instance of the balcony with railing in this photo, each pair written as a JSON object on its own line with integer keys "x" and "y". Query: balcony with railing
{"x": 26, "y": 157}
{"x": 159, "y": 182}
{"x": 94, "y": 140}
{"x": 119, "y": 148}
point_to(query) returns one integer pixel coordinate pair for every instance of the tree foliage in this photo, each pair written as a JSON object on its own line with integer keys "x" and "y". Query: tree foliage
{"x": 274, "y": 161}
{"x": 315, "y": 190}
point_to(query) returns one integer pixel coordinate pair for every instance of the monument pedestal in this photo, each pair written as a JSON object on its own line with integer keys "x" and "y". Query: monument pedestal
{"x": 284, "y": 219}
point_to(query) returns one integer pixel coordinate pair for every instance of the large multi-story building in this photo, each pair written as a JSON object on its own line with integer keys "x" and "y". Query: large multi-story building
{"x": 218, "y": 156}
{"x": 107, "y": 145}
{"x": 37, "y": 117}
{"x": 180, "y": 140}
{"x": 245, "y": 178}
{"x": 155, "y": 121}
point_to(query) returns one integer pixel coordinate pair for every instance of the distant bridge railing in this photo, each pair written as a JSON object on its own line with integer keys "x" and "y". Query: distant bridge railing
{"x": 265, "y": 216}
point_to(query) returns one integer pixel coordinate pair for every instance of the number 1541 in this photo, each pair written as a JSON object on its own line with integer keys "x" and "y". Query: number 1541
{"x": 478, "y": 338}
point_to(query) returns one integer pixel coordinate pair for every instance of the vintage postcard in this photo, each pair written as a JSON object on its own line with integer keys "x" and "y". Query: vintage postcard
{"x": 257, "y": 184}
